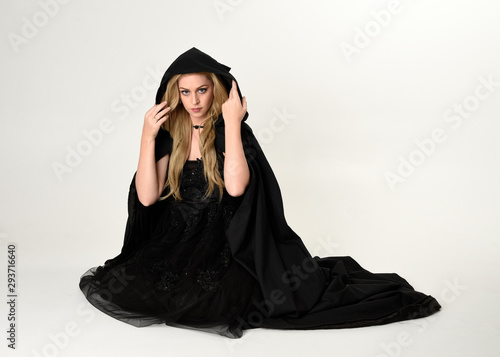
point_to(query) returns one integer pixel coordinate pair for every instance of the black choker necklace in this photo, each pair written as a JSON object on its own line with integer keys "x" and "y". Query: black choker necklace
{"x": 198, "y": 126}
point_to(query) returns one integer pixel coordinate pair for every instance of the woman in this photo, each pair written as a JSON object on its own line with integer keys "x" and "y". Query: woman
{"x": 207, "y": 245}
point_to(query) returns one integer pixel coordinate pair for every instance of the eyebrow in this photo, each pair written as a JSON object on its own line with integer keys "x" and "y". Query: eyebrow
{"x": 205, "y": 85}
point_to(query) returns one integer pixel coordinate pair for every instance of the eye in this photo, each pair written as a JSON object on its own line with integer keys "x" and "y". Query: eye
{"x": 203, "y": 90}
{"x": 185, "y": 92}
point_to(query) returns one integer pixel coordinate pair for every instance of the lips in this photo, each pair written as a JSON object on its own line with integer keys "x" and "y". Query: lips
{"x": 196, "y": 110}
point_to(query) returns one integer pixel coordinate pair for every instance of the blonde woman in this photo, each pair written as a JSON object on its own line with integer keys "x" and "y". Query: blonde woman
{"x": 207, "y": 245}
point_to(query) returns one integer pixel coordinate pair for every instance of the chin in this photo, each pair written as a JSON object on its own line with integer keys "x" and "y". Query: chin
{"x": 199, "y": 115}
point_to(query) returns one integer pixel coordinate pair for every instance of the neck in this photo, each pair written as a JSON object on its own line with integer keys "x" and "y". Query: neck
{"x": 198, "y": 121}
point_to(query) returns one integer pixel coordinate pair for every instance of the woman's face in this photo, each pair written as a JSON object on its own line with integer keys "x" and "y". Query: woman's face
{"x": 196, "y": 92}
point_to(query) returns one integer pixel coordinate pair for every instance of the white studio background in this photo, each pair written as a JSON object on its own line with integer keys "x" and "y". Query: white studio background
{"x": 379, "y": 118}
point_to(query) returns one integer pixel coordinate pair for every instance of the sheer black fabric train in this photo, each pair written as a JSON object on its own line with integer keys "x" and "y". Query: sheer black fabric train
{"x": 227, "y": 266}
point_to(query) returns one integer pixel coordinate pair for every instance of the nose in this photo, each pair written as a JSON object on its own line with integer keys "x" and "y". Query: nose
{"x": 195, "y": 100}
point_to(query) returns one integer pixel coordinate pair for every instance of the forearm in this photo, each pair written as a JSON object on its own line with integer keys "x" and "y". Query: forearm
{"x": 236, "y": 171}
{"x": 146, "y": 179}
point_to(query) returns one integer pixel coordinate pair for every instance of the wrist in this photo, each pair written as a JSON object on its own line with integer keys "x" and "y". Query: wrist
{"x": 232, "y": 124}
{"x": 147, "y": 140}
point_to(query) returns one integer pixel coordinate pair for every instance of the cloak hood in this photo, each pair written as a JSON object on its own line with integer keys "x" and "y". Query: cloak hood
{"x": 193, "y": 61}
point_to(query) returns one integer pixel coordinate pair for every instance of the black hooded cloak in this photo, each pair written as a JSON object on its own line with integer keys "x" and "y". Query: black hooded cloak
{"x": 291, "y": 289}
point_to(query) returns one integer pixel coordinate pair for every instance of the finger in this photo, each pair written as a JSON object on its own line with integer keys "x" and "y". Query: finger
{"x": 159, "y": 112}
{"x": 155, "y": 108}
{"x": 233, "y": 89}
{"x": 160, "y": 106}
{"x": 162, "y": 113}
{"x": 150, "y": 110}
{"x": 162, "y": 120}
{"x": 245, "y": 104}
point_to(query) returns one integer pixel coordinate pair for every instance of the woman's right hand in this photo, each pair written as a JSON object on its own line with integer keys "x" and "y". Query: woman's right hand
{"x": 153, "y": 120}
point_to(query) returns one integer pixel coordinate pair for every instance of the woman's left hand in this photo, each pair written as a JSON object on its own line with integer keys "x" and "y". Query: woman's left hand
{"x": 234, "y": 109}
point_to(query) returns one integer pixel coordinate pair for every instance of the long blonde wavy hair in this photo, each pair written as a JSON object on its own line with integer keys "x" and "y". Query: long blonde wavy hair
{"x": 179, "y": 125}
